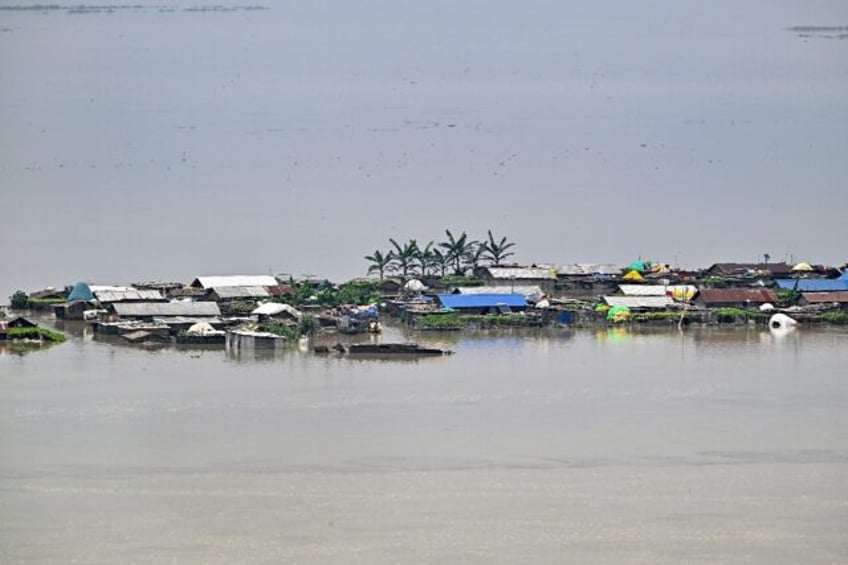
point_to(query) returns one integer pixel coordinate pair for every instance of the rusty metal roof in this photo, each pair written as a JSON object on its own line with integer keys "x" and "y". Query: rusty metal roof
{"x": 826, "y": 297}
{"x": 737, "y": 295}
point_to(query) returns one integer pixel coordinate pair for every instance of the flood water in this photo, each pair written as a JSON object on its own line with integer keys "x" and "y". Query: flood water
{"x": 705, "y": 446}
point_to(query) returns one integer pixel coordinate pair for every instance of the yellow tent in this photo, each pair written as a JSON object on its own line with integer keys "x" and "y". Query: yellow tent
{"x": 633, "y": 275}
{"x": 683, "y": 292}
{"x": 803, "y": 267}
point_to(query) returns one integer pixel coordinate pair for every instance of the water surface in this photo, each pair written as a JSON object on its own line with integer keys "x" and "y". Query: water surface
{"x": 646, "y": 447}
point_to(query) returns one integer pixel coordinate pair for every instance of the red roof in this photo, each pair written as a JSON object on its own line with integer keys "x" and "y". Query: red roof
{"x": 826, "y": 297}
{"x": 280, "y": 290}
{"x": 737, "y": 295}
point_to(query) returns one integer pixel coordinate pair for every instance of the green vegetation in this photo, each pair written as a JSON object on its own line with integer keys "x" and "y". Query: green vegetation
{"x": 240, "y": 307}
{"x": 47, "y": 301}
{"x": 287, "y": 332}
{"x": 453, "y": 321}
{"x": 496, "y": 251}
{"x": 787, "y": 298}
{"x": 308, "y": 325}
{"x": 460, "y": 280}
{"x": 358, "y": 292}
{"x": 327, "y": 294}
{"x": 37, "y": 333}
{"x": 664, "y": 315}
{"x": 379, "y": 262}
{"x": 458, "y": 253}
{"x": 19, "y": 300}
{"x": 440, "y": 321}
{"x": 732, "y": 315}
{"x": 836, "y": 317}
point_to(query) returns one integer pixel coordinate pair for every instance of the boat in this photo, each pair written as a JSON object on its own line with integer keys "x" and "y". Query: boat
{"x": 393, "y": 349}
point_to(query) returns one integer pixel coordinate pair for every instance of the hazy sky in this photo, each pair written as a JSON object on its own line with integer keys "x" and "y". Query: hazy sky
{"x": 165, "y": 144}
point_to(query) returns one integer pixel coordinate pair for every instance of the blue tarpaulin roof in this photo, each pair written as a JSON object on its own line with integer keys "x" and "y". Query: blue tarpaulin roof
{"x": 81, "y": 292}
{"x": 482, "y": 300}
{"x": 814, "y": 285}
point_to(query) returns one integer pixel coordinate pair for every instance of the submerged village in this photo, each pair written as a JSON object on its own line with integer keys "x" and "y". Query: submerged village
{"x": 455, "y": 285}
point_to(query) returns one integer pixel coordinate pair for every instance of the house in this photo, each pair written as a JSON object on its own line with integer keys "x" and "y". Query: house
{"x": 586, "y": 270}
{"x": 483, "y": 303}
{"x": 234, "y": 280}
{"x": 80, "y": 300}
{"x": 532, "y": 293}
{"x": 544, "y": 277}
{"x": 837, "y": 297}
{"x": 641, "y": 302}
{"x": 229, "y": 293}
{"x": 748, "y": 270}
{"x": 146, "y": 311}
{"x": 735, "y": 297}
{"x": 277, "y": 311}
{"x": 815, "y": 285}
{"x": 278, "y": 290}
{"x": 585, "y": 281}
{"x": 109, "y": 294}
{"x": 18, "y": 322}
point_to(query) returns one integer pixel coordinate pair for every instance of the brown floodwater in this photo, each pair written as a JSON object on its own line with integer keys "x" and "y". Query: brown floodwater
{"x": 704, "y": 446}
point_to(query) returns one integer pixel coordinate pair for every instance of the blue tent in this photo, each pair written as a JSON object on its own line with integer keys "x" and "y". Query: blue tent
{"x": 81, "y": 293}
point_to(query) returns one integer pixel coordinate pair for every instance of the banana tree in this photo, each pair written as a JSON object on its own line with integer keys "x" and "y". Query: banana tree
{"x": 379, "y": 262}
{"x": 497, "y": 251}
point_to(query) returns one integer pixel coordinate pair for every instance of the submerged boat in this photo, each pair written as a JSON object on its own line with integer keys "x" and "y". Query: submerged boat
{"x": 383, "y": 349}
{"x": 393, "y": 349}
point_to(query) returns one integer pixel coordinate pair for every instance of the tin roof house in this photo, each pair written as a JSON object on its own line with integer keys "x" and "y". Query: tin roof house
{"x": 234, "y": 280}
{"x": 735, "y": 297}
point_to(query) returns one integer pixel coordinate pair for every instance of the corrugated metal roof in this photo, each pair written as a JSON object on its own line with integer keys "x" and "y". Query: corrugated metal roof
{"x": 652, "y": 302}
{"x": 125, "y": 294}
{"x": 168, "y": 320}
{"x": 813, "y": 285}
{"x": 655, "y": 289}
{"x": 508, "y": 273}
{"x": 588, "y": 269}
{"x": 528, "y": 291}
{"x": 826, "y": 297}
{"x": 226, "y": 292}
{"x": 274, "y": 308}
{"x": 234, "y": 280}
{"x": 749, "y": 268}
{"x": 147, "y": 309}
{"x": 737, "y": 295}
{"x": 482, "y": 300}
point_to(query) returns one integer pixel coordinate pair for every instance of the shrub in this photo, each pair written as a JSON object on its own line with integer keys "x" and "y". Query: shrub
{"x": 308, "y": 325}
{"x": 282, "y": 330}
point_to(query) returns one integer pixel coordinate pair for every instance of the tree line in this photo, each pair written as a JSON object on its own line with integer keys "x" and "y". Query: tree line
{"x": 458, "y": 254}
